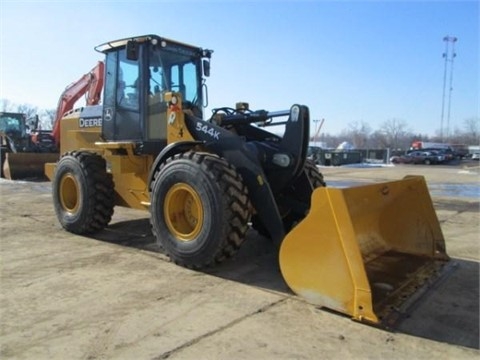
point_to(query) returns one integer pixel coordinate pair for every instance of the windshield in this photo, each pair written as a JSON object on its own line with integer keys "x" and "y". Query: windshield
{"x": 11, "y": 122}
{"x": 174, "y": 68}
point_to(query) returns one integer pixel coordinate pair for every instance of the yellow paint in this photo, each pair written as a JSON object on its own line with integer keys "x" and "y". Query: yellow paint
{"x": 176, "y": 127}
{"x": 130, "y": 171}
{"x": 351, "y": 234}
{"x": 183, "y": 212}
{"x": 69, "y": 193}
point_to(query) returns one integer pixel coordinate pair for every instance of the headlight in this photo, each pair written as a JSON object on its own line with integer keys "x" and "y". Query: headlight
{"x": 282, "y": 160}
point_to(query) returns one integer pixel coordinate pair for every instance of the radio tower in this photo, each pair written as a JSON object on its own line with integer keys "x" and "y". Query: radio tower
{"x": 449, "y": 55}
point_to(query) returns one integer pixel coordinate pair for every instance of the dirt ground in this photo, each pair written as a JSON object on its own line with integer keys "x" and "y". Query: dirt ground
{"x": 115, "y": 296}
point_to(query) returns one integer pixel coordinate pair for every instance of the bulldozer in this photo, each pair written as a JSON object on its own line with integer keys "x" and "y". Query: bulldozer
{"x": 362, "y": 251}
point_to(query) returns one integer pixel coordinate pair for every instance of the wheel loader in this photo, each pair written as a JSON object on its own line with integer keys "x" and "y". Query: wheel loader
{"x": 362, "y": 251}
{"x": 24, "y": 149}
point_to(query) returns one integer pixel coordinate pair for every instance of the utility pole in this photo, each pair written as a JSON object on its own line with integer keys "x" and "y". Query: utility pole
{"x": 317, "y": 130}
{"x": 315, "y": 121}
{"x": 449, "y": 55}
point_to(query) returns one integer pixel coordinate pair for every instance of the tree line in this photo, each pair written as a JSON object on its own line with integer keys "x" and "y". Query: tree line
{"x": 46, "y": 116}
{"x": 392, "y": 133}
{"x": 395, "y": 134}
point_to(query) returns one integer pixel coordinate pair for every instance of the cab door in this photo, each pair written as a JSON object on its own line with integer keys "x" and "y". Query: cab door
{"x": 122, "y": 112}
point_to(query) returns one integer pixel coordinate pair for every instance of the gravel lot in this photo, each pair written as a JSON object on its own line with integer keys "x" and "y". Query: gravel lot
{"x": 115, "y": 296}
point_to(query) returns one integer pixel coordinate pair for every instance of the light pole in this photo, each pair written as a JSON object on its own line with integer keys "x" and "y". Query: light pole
{"x": 449, "y": 55}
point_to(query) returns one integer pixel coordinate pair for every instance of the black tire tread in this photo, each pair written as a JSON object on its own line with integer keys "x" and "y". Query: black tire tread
{"x": 101, "y": 195}
{"x": 238, "y": 208}
{"x": 317, "y": 180}
{"x": 315, "y": 176}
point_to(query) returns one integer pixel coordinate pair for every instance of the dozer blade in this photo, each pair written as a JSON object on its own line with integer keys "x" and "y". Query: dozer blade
{"x": 26, "y": 165}
{"x": 366, "y": 251}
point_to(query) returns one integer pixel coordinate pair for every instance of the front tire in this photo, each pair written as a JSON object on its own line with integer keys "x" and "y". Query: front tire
{"x": 315, "y": 176}
{"x": 199, "y": 209}
{"x": 83, "y": 193}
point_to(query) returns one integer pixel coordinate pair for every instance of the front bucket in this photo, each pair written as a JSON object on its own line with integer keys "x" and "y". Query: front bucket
{"x": 365, "y": 251}
{"x": 26, "y": 165}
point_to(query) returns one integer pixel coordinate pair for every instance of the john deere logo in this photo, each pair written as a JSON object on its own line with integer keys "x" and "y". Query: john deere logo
{"x": 87, "y": 123}
{"x": 107, "y": 114}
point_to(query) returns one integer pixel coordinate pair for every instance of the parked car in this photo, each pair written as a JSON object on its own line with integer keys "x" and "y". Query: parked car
{"x": 449, "y": 154}
{"x": 476, "y": 156}
{"x": 419, "y": 157}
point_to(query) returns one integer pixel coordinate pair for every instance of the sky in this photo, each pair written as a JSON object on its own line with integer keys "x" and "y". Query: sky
{"x": 350, "y": 62}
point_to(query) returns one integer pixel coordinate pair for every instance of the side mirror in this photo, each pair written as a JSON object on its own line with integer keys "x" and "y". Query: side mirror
{"x": 206, "y": 68}
{"x": 132, "y": 50}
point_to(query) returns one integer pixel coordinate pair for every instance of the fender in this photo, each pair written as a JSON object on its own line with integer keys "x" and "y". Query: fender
{"x": 245, "y": 157}
{"x": 169, "y": 151}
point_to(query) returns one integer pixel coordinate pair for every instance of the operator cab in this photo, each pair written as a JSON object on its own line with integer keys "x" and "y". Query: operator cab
{"x": 138, "y": 72}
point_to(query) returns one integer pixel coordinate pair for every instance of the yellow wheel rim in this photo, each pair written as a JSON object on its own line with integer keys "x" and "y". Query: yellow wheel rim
{"x": 183, "y": 212}
{"x": 69, "y": 193}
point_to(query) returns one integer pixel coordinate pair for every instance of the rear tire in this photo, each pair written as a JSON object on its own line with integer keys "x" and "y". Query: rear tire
{"x": 3, "y": 156}
{"x": 289, "y": 220}
{"x": 83, "y": 193}
{"x": 199, "y": 209}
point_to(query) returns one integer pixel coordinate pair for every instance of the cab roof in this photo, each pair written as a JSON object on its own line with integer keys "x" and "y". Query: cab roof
{"x": 110, "y": 45}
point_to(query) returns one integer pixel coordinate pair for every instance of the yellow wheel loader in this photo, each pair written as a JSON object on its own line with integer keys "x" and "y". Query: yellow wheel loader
{"x": 362, "y": 251}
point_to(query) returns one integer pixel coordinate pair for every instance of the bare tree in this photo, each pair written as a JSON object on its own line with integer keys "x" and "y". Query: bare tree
{"x": 472, "y": 129}
{"x": 358, "y": 133}
{"x": 458, "y": 136}
{"x": 27, "y": 109}
{"x": 329, "y": 141}
{"x": 378, "y": 140}
{"x": 469, "y": 134}
{"x": 396, "y": 133}
{"x": 47, "y": 118}
{"x": 5, "y": 105}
